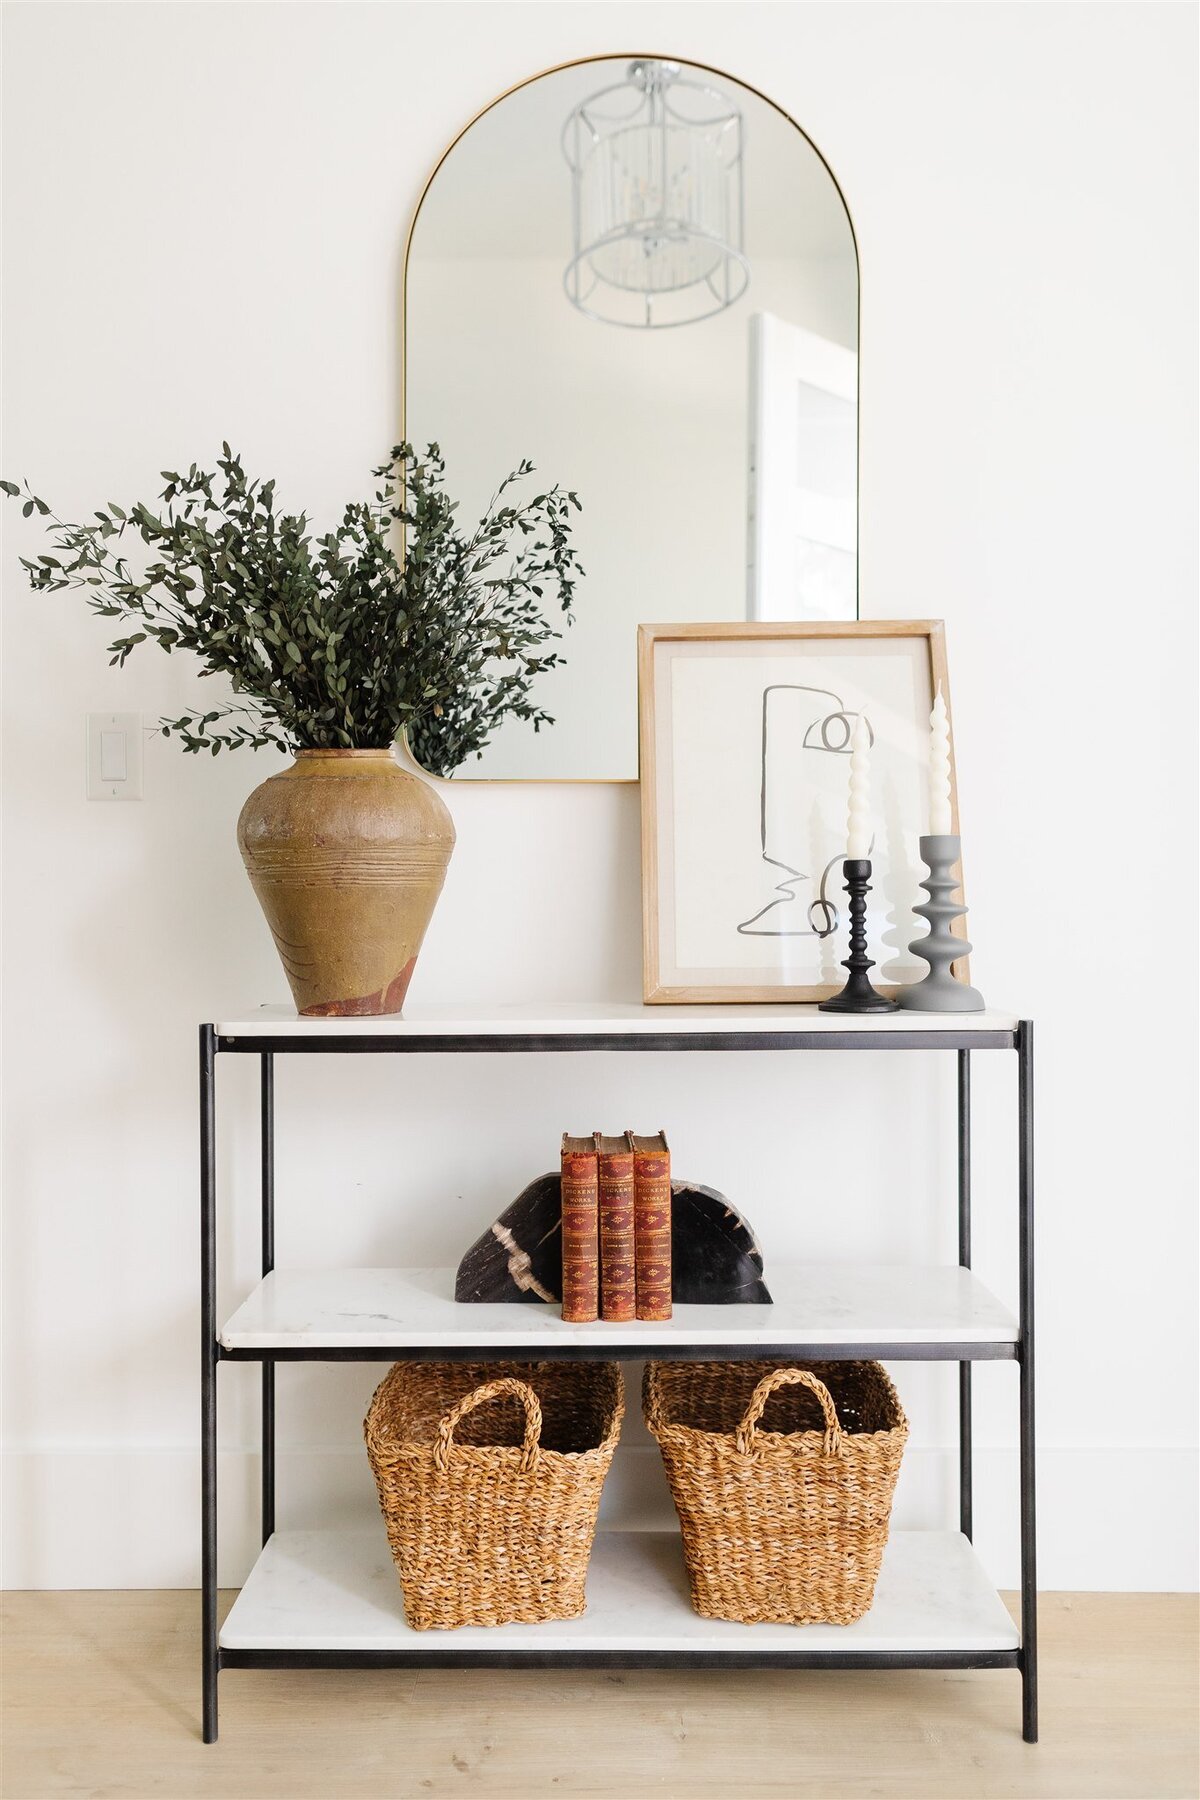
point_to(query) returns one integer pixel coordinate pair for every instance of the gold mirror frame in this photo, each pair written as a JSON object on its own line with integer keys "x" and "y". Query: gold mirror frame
{"x": 579, "y": 62}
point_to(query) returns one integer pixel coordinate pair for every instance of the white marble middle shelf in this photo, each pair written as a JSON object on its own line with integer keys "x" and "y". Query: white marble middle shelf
{"x": 814, "y": 1304}
{"x": 338, "y": 1590}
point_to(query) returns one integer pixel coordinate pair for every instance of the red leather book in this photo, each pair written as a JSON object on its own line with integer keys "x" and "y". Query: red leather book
{"x": 652, "y": 1224}
{"x": 618, "y": 1292}
{"x": 580, "y": 1231}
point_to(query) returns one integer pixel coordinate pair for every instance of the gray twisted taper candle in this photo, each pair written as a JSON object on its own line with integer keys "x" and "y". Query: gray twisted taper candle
{"x": 939, "y": 991}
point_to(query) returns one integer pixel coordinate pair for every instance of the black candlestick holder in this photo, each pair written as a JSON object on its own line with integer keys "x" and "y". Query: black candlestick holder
{"x": 858, "y": 996}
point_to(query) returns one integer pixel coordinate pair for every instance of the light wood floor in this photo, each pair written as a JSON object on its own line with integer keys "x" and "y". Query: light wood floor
{"x": 101, "y": 1698}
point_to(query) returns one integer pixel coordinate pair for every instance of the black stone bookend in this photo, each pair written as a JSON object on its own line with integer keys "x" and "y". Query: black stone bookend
{"x": 519, "y": 1256}
{"x": 715, "y": 1256}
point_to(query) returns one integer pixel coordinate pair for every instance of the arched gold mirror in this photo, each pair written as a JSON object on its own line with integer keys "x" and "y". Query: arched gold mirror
{"x": 642, "y": 276}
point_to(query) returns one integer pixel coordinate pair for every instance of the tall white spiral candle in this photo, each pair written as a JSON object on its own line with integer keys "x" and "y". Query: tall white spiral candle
{"x": 939, "y": 769}
{"x": 858, "y": 830}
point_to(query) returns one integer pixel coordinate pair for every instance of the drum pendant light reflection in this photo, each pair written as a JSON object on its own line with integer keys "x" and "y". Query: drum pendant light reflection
{"x": 657, "y": 200}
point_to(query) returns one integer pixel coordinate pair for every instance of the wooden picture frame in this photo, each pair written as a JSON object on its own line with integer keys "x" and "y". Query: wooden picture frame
{"x": 744, "y": 735}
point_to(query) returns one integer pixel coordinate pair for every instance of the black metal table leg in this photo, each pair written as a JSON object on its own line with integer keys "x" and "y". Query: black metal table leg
{"x": 965, "y": 1483}
{"x": 208, "y": 1378}
{"x": 1028, "y": 1502}
{"x": 267, "y": 1131}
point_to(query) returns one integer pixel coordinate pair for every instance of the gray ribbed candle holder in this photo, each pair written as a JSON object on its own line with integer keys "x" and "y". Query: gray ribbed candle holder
{"x": 939, "y": 991}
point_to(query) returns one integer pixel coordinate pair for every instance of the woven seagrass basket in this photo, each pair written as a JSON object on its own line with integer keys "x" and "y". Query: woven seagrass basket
{"x": 489, "y": 1478}
{"x": 784, "y": 1520}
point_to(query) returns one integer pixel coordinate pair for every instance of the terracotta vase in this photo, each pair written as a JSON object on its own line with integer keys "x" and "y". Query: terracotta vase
{"x": 347, "y": 853}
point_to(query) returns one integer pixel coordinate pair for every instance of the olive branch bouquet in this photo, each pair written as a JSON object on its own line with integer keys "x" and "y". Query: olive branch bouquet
{"x": 340, "y": 641}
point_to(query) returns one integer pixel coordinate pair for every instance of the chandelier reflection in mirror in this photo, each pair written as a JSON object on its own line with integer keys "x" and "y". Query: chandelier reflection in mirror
{"x": 657, "y": 200}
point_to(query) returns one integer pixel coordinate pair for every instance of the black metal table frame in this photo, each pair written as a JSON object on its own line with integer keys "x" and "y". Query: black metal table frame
{"x": 315, "y": 1041}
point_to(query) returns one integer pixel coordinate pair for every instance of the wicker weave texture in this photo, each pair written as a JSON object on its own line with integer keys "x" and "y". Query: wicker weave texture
{"x": 784, "y": 1516}
{"x": 489, "y": 1479}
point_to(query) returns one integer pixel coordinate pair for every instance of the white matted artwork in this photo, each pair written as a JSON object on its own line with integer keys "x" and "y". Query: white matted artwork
{"x": 745, "y": 759}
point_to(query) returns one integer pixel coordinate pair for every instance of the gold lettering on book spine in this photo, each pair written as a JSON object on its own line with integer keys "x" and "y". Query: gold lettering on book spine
{"x": 580, "y": 1239}
{"x": 618, "y": 1287}
{"x": 652, "y": 1232}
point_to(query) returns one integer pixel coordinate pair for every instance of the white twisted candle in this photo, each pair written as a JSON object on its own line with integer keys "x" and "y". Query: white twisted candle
{"x": 858, "y": 830}
{"x": 939, "y": 768}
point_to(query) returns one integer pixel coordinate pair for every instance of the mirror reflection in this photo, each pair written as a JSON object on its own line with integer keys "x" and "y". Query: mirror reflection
{"x": 642, "y": 276}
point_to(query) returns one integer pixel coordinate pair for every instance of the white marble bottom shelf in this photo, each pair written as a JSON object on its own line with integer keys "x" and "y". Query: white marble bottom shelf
{"x": 338, "y": 1590}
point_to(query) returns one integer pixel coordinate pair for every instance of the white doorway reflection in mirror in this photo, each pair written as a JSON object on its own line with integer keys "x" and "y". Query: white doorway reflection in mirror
{"x": 802, "y": 508}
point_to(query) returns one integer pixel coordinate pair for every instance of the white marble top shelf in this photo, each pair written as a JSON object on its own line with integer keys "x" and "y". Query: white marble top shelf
{"x": 608, "y": 1018}
{"x": 338, "y": 1590}
{"x": 813, "y": 1304}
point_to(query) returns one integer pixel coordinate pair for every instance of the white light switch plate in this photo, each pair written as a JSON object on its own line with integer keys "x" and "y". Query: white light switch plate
{"x": 114, "y": 756}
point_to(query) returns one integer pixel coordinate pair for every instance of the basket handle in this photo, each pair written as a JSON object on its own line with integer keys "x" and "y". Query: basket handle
{"x": 492, "y": 1390}
{"x": 789, "y": 1378}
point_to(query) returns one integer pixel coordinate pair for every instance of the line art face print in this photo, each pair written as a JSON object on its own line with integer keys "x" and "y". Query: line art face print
{"x": 804, "y": 761}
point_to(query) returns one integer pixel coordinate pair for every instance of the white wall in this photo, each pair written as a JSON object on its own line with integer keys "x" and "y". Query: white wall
{"x": 204, "y": 210}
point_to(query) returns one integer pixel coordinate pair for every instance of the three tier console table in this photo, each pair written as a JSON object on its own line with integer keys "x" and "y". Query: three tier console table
{"x": 330, "y": 1599}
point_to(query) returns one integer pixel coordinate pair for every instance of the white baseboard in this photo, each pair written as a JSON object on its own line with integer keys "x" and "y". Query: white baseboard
{"x": 131, "y": 1519}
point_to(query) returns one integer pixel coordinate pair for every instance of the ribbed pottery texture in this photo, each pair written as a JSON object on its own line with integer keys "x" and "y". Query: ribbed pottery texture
{"x": 489, "y": 1478}
{"x": 347, "y": 852}
{"x": 784, "y": 1522}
